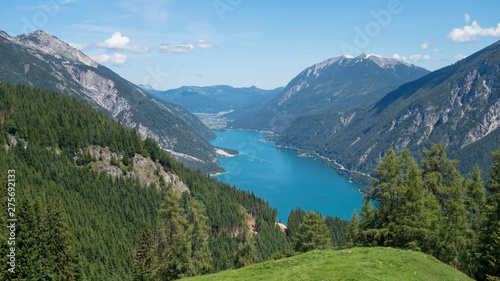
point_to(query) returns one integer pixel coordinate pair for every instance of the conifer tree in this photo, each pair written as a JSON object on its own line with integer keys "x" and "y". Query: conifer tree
{"x": 353, "y": 231}
{"x": 173, "y": 250}
{"x": 32, "y": 240}
{"x": 489, "y": 255}
{"x": 313, "y": 234}
{"x": 444, "y": 181}
{"x": 246, "y": 253}
{"x": 143, "y": 258}
{"x": 198, "y": 236}
{"x": 58, "y": 243}
{"x": 294, "y": 220}
{"x": 417, "y": 213}
{"x": 475, "y": 201}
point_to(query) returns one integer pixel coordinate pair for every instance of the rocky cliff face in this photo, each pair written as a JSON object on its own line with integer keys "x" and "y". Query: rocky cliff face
{"x": 458, "y": 105}
{"x": 40, "y": 59}
{"x": 334, "y": 85}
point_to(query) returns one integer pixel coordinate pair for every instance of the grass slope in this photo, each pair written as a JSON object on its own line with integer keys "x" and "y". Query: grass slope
{"x": 352, "y": 264}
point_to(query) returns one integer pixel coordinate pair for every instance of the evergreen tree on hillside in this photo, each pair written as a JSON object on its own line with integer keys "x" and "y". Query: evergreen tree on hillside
{"x": 384, "y": 195}
{"x": 58, "y": 243}
{"x": 353, "y": 231}
{"x": 173, "y": 250}
{"x": 313, "y": 234}
{"x": 31, "y": 240}
{"x": 444, "y": 181}
{"x": 246, "y": 253}
{"x": 197, "y": 232}
{"x": 294, "y": 220}
{"x": 490, "y": 255}
{"x": 338, "y": 230}
{"x": 475, "y": 201}
{"x": 417, "y": 214}
{"x": 143, "y": 258}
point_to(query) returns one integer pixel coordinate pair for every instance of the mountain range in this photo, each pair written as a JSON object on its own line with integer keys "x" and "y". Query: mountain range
{"x": 215, "y": 99}
{"x": 40, "y": 59}
{"x": 334, "y": 85}
{"x": 458, "y": 105}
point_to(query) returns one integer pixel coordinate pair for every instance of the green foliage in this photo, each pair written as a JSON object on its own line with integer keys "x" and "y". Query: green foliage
{"x": 294, "y": 220}
{"x": 172, "y": 252}
{"x": 246, "y": 253}
{"x": 338, "y": 230}
{"x": 104, "y": 215}
{"x": 433, "y": 209}
{"x": 53, "y": 71}
{"x": 313, "y": 234}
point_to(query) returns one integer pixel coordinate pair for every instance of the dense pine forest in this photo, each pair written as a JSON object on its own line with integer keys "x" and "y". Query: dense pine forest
{"x": 74, "y": 223}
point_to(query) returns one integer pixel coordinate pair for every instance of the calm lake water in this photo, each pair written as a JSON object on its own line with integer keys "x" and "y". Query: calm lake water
{"x": 285, "y": 179}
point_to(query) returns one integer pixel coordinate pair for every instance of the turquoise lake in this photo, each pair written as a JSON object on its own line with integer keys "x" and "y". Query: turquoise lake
{"x": 284, "y": 179}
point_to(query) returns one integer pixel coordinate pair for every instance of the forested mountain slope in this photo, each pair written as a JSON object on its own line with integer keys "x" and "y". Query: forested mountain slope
{"x": 83, "y": 208}
{"x": 334, "y": 85}
{"x": 42, "y": 60}
{"x": 458, "y": 105}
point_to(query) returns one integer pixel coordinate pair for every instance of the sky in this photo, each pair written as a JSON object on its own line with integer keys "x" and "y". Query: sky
{"x": 172, "y": 43}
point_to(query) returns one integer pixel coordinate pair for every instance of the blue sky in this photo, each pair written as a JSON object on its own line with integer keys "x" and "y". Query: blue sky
{"x": 171, "y": 43}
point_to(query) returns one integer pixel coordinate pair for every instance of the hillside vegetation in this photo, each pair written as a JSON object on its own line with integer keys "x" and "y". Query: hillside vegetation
{"x": 74, "y": 223}
{"x": 352, "y": 264}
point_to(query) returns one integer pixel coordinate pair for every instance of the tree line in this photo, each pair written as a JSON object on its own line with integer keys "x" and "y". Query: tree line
{"x": 44, "y": 136}
{"x": 432, "y": 208}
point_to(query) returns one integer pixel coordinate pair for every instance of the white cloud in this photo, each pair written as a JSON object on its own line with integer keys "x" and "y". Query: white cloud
{"x": 470, "y": 33}
{"x": 424, "y": 46}
{"x": 412, "y": 58}
{"x": 116, "y": 59}
{"x": 184, "y": 48}
{"x": 119, "y": 42}
{"x": 204, "y": 44}
{"x": 418, "y": 57}
{"x": 427, "y": 46}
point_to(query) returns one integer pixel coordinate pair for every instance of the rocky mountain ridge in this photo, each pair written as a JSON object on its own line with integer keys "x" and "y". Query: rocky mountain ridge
{"x": 41, "y": 59}
{"x": 334, "y": 85}
{"x": 457, "y": 105}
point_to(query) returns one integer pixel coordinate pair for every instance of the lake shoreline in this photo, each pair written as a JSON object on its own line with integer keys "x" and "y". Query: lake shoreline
{"x": 285, "y": 178}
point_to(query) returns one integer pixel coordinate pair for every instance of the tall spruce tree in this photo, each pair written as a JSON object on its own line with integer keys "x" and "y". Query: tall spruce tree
{"x": 58, "y": 246}
{"x": 246, "y": 253}
{"x": 31, "y": 240}
{"x": 173, "y": 250}
{"x": 475, "y": 201}
{"x": 489, "y": 255}
{"x": 143, "y": 255}
{"x": 313, "y": 234}
{"x": 417, "y": 214}
{"x": 444, "y": 181}
{"x": 197, "y": 232}
{"x": 294, "y": 220}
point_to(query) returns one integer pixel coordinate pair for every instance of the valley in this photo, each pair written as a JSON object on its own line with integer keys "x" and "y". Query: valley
{"x": 239, "y": 140}
{"x": 285, "y": 179}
